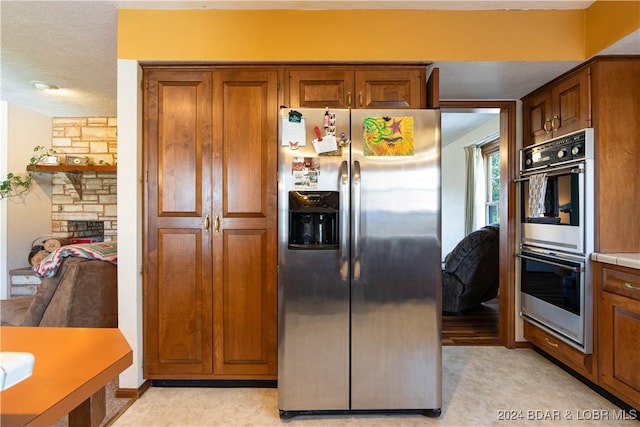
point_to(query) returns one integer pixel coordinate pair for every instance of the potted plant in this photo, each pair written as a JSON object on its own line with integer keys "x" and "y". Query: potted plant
{"x": 15, "y": 185}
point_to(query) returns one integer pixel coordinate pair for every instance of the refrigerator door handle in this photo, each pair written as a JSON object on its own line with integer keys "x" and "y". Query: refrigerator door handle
{"x": 357, "y": 178}
{"x": 344, "y": 221}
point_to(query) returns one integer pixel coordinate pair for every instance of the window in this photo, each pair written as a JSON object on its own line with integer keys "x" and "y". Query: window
{"x": 491, "y": 157}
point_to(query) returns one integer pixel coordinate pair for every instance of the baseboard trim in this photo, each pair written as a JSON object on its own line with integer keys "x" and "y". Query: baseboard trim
{"x": 215, "y": 383}
{"x": 133, "y": 393}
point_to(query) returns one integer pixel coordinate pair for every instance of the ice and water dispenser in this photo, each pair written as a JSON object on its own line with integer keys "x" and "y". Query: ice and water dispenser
{"x": 313, "y": 219}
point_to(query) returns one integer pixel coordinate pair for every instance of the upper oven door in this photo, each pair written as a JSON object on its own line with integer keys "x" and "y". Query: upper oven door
{"x": 553, "y": 209}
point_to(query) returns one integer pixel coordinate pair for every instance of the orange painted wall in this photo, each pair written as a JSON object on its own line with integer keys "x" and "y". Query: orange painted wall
{"x": 608, "y": 21}
{"x": 373, "y": 35}
{"x": 350, "y": 35}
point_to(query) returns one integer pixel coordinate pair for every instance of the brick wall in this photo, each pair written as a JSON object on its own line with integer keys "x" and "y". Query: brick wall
{"x": 96, "y": 138}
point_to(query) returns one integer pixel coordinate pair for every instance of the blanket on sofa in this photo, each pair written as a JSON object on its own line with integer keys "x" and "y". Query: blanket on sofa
{"x": 102, "y": 251}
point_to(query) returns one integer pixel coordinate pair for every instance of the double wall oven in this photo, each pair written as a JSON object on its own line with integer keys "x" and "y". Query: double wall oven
{"x": 556, "y": 237}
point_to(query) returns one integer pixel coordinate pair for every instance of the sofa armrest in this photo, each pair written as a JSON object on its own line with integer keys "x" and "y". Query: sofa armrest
{"x": 14, "y": 310}
{"x": 87, "y": 297}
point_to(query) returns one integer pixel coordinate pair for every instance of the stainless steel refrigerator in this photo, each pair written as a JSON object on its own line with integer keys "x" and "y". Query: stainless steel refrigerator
{"x": 359, "y": 267}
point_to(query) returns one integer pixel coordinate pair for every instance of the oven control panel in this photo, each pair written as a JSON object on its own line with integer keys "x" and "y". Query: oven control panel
{"x": 572, "y": 148}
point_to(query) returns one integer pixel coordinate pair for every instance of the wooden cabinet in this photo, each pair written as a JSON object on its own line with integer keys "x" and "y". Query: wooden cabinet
{"x": 619, "y": 332}
{"x": 599, "y": 94}
{"x": 210, "y": 285}
{"x": 360, "y": 87}
{"x": 616, "y": 122}
{"x": 584, "y": 364}
{"x": 558, "y": 109}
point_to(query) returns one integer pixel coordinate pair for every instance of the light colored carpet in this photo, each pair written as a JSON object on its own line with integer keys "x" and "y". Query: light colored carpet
{"x": 115, "y": 406}
{"x": 482, "y": 386}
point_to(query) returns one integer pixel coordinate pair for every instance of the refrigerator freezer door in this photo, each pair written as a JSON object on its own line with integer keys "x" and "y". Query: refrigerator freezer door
{"x": 395, "y": 292}
{"x": 313, "y": 285}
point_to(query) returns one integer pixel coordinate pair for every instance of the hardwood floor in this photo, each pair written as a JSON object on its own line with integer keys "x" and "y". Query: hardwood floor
{"x": 477, "y": 326}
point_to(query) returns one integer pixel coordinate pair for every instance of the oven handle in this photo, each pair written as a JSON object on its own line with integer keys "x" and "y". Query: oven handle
{"x": 524, "y": 176}
{"x": 546, "y": 261}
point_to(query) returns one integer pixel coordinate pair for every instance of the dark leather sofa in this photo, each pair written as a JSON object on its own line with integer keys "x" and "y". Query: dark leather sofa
{"x": 471, "y": 271}
{"x": 83, "y": 293}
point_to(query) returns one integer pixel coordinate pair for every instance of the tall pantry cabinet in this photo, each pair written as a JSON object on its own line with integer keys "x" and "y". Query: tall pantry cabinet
{"x": 210, "y": 288}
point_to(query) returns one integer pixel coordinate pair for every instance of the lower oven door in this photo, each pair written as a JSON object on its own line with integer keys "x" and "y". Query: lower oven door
{"x": 554, "y": 296}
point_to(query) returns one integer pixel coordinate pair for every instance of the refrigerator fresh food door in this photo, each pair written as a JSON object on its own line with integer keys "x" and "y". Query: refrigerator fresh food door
{"x": 395, "y": 289}
{"x": 313, "y": 279}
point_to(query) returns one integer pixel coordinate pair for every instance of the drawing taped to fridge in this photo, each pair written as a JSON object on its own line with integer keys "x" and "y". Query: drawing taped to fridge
{"x": 388, "y": 136}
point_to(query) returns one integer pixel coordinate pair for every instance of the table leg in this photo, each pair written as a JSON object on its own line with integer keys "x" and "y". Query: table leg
{"x": 91, "y": 412}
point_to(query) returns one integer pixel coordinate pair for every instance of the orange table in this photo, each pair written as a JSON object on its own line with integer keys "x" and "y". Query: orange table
{"x": 72, "y": 366}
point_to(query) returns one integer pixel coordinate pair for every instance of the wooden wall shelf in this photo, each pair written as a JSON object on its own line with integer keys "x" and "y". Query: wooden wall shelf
{"x": 73, "y": 172}
{"x": 71, "y": 168}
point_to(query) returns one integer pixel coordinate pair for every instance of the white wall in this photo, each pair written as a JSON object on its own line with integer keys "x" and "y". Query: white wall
{"x": 130, "y": 211}
{"x": 454, "y": 183}
{"x": 27, "y": 216}
{"x": 4, "y": 124}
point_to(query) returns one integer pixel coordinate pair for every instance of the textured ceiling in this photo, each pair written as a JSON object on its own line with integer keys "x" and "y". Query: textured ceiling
{"x": 72, "y": 44}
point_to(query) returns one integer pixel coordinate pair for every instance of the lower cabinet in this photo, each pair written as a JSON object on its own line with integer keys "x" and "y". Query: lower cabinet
{"x": 619, "y": 333}
{"x": 615, "y": 362}
{"x": 583, "y": 364}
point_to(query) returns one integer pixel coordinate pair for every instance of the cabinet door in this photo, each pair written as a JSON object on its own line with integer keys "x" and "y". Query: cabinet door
{"x": 177, "y": 288}
{"x": 572, "y": 106}
{"x": 245, "y": 223}
{"x": 390, "y": 88}
{"x": 536, "y": 121}
{"x": 619, "y": 333}
{"x": 320, "y": 88}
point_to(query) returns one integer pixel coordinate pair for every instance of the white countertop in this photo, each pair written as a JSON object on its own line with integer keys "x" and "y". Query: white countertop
{"x": 631, "y": 260}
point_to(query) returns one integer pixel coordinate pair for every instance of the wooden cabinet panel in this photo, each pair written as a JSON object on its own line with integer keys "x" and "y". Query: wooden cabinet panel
{"x": 616, "y": 118}
{"x": 536, "y": 113}
{"x": 390, "y": 89}
{"x": 572, "y": 104}
{"x": 619, "y": 333}
{"x": 245, "y": 307}
{"x": 321, "y": 87}
{"x": 177, "y": 287}
{"x": 245, "y": 138}
{"x": 181, "y": 306}
{"x": 358, "y": 87}
{"x": 246, "y": 302}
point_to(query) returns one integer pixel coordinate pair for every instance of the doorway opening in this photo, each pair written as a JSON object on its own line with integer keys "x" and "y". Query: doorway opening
{"x": 478, "y": 162}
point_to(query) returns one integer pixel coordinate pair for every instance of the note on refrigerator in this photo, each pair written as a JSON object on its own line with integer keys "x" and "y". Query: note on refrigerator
{"x": 293, "y": 133}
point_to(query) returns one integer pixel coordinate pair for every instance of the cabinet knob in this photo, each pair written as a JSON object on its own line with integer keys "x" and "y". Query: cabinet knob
{"x": 206, "y": 222}
{"x": 555, "y": 120}
{"x": 349, "y": 99}
{"x": 216, "y": 224}
{"x": 547, "y": 126}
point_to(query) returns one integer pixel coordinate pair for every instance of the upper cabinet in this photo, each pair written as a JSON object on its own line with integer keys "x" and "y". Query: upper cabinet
{"x": 357, "y": 87}
{"x": 558, "y": 108}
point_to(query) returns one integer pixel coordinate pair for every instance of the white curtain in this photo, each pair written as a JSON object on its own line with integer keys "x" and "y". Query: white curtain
{"x": 475, "y": 191}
